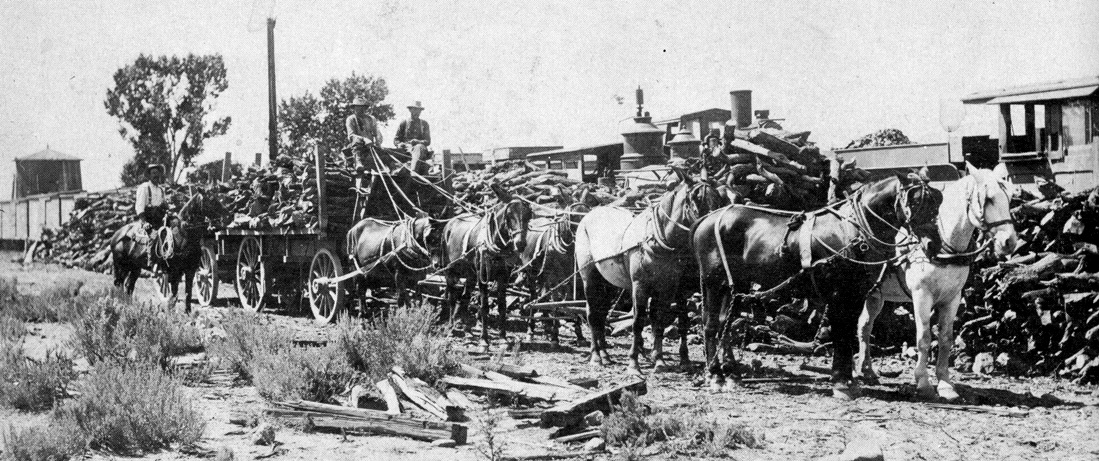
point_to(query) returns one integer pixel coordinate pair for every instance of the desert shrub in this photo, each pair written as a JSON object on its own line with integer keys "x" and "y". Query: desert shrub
{"x": 11, "y": 329}
{"x": 55, "y": 304}
{"x": 131, "y": 408}
{"x": 34, "y": 385}
{"x": 308, "y": 373}
{"x": 715, "y": 438}
{"x": 246, "y": 335}
{"x": 632, "y": 427}
{"x": 111, "y": 329}
{"x": 53, "y": 442}
{"x": 409, "y": 337}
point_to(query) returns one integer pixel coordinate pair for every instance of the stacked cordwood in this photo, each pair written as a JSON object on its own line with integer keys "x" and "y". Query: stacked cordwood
{"x": 284, "y": 195}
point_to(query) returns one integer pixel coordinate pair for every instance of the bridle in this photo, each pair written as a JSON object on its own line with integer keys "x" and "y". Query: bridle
{"x": 976, "y": 200}
{"x": 902, "y": 208}
{"x": 688, "y": 209}
{"x": 497, "y": 240}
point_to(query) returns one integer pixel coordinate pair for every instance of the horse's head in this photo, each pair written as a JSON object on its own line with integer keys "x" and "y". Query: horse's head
{"x": 510, "y": 219}
{"x": 989, "y": 208}
{"x": 904, "y": 201}
{"x": 692, "y": 198}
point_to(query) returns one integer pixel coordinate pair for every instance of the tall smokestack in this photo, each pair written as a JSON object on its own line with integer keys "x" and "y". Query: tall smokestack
{"x": 742, "y": 108}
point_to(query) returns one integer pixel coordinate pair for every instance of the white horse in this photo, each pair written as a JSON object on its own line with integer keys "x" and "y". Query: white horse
{"x": 979, "y": 201}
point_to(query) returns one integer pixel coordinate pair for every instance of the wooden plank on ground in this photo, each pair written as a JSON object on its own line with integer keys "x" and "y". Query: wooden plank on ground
{"x": 579, "y": 437}
{"x": 380, "y": 423}
{"x": 572, "y": 412}
{"x": 462, "y": 400}
{"x": 528, "y": 390}
{"x": 509, "y": 370}
{"x": 416, "y": 397}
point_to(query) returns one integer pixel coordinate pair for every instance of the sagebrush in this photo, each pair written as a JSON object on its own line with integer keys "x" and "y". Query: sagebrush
{"x": 409, "y": 337}
{"x": 52, "y": 442}
{"x": 316, "y": 374}
{"x": 112, "y": 329}
{"x": 130, "y": 408}
{"x": 246, "y": 335}
{"x": 56, "y": 303}
{"x": 34, "y": 385}
{"x": 631, "y": 426}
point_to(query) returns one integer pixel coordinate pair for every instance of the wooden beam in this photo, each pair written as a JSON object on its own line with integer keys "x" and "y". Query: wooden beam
{"x": 528, "y": 390}
{"x": 579, "y": 437}
{"x": 572, "y": 412}
{"x": 416, "y": 397}
{"x": 513, "y": 371}
{"x": 392, "y": 402}
{"x": 1004, "y": 128}
{"x": 379, "y": 423}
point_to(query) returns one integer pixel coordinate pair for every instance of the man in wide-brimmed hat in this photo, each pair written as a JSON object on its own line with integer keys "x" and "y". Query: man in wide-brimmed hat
{"x": 414, "y": 137}
{"x": 150, "y": 205}
{"x": 362, "y": 133}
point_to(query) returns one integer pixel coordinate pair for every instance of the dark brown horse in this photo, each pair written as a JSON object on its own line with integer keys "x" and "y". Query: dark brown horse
{"x": 834, "y": 253}
{"x": 549, "y": 261}
{"x": 482, "y": 248}
{"x": 178, "y": 248}
{"x": 394, "y": 253}
{"x": 646, "y": 255}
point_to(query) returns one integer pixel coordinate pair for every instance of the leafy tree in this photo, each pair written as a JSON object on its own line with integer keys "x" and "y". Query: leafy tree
{"x": 165, "y": 108}
{"x": 306, "y": 117}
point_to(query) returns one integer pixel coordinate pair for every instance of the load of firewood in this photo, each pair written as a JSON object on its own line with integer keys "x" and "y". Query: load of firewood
{"x": 524, "y": 179}
{"x": 880, "y": 138}
{"x": 1038, "y": 313}
{"x": 284, "y": 195}
{"x": 782, "y": 169}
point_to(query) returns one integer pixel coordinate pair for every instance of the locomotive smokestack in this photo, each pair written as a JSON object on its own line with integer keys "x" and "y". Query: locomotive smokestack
{"x": 639, "y": 95}
{"x": 742, "y": 108}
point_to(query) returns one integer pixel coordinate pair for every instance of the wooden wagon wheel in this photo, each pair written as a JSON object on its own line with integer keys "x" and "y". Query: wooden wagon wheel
{"x": 251, "y": 275}
{"x": 326, "y": 299}
{"x": 206, "y": 279}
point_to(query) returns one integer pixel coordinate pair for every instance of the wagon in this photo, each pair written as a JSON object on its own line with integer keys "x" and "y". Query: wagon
{"x": 276, "y": 266}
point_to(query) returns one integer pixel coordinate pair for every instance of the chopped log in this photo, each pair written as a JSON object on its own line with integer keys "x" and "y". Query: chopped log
{"x": 379, "y": 423}
{"x": 528, "y": 413}
{"x": 392, "y": 402}
{"x": 579, "y": 437}
{"x": 460, "y": 399}
{"x": 586, "y": 383}
{"x": 550, "y": 381}
{"x": 528, "y": 390}
{"x": 571, "y": 412}
{"x": 473, "y": 372}
{"x": 512, "y": 371}
{"x": 416, "y": 397}
{"x": 773, "y": 143}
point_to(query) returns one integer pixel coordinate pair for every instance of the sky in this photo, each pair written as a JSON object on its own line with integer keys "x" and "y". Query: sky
{"x": 538, "y": 73}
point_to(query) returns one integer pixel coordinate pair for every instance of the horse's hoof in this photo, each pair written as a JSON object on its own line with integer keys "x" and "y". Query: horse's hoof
{"x": 555, "y": 344}
{"x": 660, "y": 365}
{"x": 595, "y": 361}
{"x": 730, "y": 386}
{"x": 947, "y": 392}
{"x": 716, "y": 385}
{"x": 845, "y": 391}
{"x": 926, "y": 392}
{"x": 484, "y": 347}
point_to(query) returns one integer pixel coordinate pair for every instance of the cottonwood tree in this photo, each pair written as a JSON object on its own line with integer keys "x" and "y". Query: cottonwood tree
{"x": 306, "y": 117}
{"x": 165, "y": 106}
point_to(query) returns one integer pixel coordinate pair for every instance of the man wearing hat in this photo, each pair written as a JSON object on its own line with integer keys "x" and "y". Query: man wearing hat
{"x": 362, "y": 132}
{"x": 414, "y": 136}
{"x": 150, "y": 206}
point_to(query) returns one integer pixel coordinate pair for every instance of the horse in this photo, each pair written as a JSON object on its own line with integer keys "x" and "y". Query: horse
{"x": 394, "y": 253}
{"x": 980, "y": 201}
{"x": 645, "y": 254}
{"x": 741, "y": 245}
{"x": 179, "y": 247}
{"x": 481, "y": 248}
{"x": 548, "y": 260}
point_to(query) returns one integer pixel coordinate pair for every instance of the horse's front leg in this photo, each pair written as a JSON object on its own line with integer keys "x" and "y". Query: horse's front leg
{"x": 188, "y": 285}
{"x": 173, "y": 288}
{"x": 843, "y": 314}
{"x": 923, "y": 303}
{"x": 640, "y": 305}
{"x": 658, "y": 312}
{"x": 684, "y": 329}
{"x": 864, "y": 365}
{"x": 502, "y": 303}
{"x": 947, "y": 312}
{"x": 482, "y": 312}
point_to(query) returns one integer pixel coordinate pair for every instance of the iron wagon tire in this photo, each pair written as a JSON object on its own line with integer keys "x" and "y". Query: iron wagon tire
{"x": 251, "y": 275}
{"x": 207, "y": 279}
{"x": 326, "y": 300}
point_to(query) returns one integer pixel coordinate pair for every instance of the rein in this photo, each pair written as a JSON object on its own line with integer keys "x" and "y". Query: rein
{"x": 974, "y": 201}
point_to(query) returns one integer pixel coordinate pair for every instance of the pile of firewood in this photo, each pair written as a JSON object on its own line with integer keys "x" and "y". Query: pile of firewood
{"x": 83, "y": 240}
{"x": 880, "y": 138}
{"x": 284, "y": 195}
{"x": 1038, "y": 313}
{"x": 526, "y": 180}
{"x": 781, "y": 169}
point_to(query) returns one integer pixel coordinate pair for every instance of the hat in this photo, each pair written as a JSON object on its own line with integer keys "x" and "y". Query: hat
{"x": 359, "y": 101}
{"x": 416, "y": 105}
{"x": 154, "y": 166}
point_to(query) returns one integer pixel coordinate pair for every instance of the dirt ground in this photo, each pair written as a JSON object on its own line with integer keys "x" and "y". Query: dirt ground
{"x": 797, "y": 420}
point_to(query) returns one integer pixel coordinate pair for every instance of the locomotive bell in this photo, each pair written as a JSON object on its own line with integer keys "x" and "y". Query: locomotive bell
{"x": 684, "y": 145}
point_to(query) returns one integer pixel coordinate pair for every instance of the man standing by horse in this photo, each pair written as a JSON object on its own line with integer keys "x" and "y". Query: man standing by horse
{"x": 414, "y": 136}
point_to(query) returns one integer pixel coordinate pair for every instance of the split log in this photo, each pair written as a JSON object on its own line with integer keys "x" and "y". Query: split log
{"x": 580, "y": 437}
{"x": 572, "y": 412}
{"x": 461, "y": 400}
{"x": 513, "y": 371}
{"x": 392, "y": 402}
{"x": 416, "y": 397}
{"x": 378, "y": 422}
{"x": 515, "y": 388}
